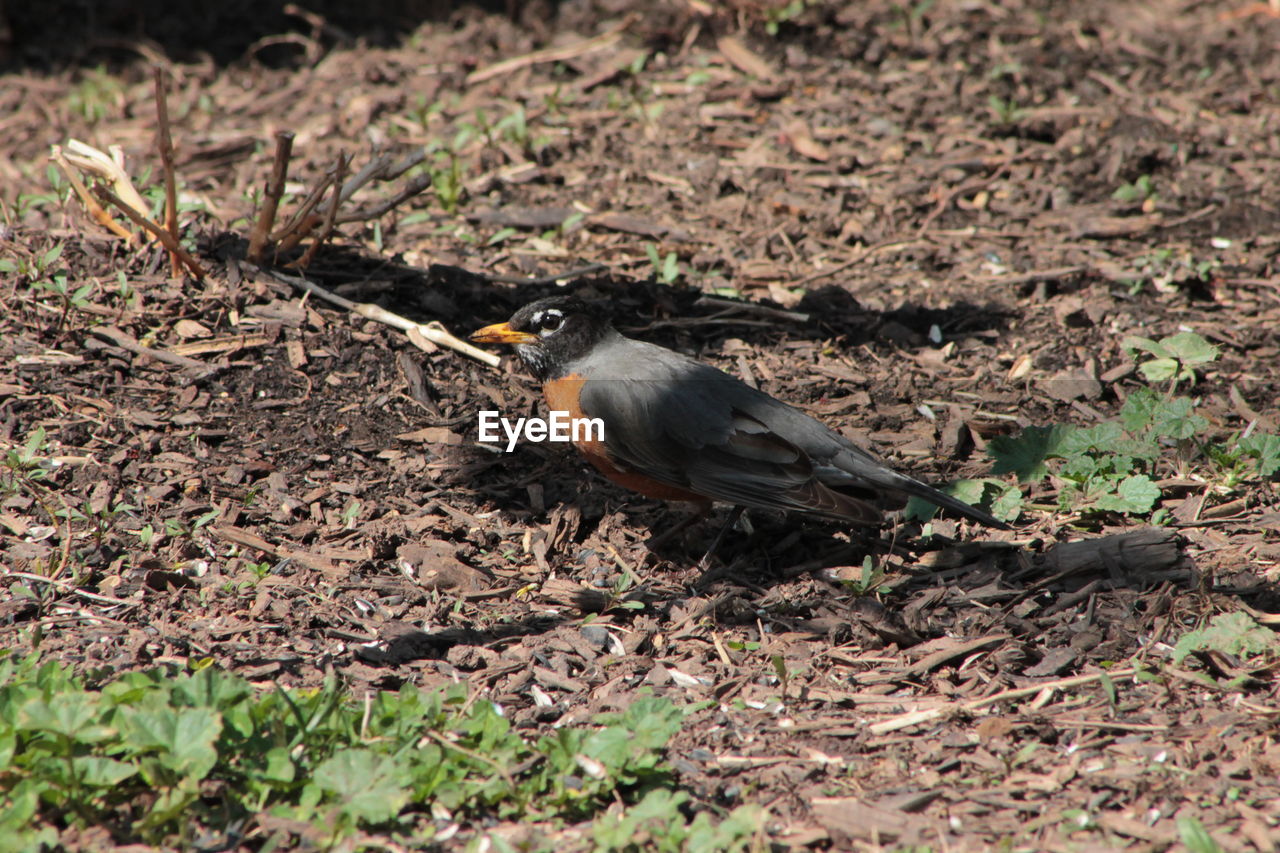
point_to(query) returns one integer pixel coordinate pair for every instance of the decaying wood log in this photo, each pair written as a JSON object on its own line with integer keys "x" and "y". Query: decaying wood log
{"x": 1150, "y": 553}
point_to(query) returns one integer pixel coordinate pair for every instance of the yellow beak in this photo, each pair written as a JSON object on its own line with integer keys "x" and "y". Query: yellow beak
{"x": 502, "y": 333}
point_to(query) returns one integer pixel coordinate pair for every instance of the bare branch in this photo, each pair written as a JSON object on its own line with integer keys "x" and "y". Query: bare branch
{"x": 271, "y": 196}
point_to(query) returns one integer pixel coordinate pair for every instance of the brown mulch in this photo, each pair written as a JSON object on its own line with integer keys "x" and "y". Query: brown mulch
{"x": 929, "y": 202}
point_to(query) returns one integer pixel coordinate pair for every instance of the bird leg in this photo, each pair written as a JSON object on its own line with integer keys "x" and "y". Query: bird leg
{"x": 734, "y": 515}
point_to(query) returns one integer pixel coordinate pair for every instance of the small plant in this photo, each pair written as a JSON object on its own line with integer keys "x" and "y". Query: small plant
{"x": 617, "y": 595}
{"x": 1006, "y": 112}
{"x": 1113, "y": 466}
{"x": 165, "y": 757}
{"x": 24, "y": 470}
{"x": 665, "y": 270}
{"x": 24, "y": 464}
{"x": 1175, "y": 358}
{"x": 28, "y": 202}
{"x": 95, "y": 94}
{"x": 181, "y": 528}
{"x": 774, "y": 16}
{"x": 446, "y": 180}
{"x": 1141, "y": 190}
{"x": 259, "y": 570}
{"x": 871, "y": 580}
{"x": 659, "y": 820}
{"x": 1168, "y": 269}
{"x": 1235, "y": 634}
{"x": 38, "y": 271}
{"x": 33, "y": 268}
{"x": 514, "y": 128}
{"x": 67, "y": 298}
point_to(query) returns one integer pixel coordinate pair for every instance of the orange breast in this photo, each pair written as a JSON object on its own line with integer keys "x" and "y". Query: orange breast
{"x": 565, "y": 395}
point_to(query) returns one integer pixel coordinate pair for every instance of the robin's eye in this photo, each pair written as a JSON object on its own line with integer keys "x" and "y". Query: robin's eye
{"x": 550, "y": 321}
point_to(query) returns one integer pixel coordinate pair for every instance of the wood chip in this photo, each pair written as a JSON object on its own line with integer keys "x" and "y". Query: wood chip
{"x": 743, "y": 58}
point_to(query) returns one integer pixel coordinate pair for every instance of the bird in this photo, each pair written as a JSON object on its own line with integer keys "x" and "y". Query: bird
{"x": 678, "y": 429}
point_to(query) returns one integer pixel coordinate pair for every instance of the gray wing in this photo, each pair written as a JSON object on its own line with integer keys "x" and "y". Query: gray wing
{"x": 690, "y": 425}
{"x": 694, "y": 427}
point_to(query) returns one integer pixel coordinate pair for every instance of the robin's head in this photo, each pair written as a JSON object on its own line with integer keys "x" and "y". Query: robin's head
{"x": 550, "y": 333}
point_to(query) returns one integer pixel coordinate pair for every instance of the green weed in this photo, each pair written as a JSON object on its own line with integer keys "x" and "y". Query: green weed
{"x": 1113, "y": 466}
{"x": 665, "y": 269}
{"x": 166, "y": 757}
{"x": 1141, "y": 190}
{"x": 95, "y": 94}
{"x": 1235, "y": 634}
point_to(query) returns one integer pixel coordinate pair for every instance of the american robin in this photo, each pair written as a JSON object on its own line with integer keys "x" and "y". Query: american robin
{"x": 678, "y": 429}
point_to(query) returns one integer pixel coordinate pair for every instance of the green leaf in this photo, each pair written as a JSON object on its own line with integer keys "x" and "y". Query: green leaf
{"x": 280, "y": 766}
{"x": 1265, "y": 448}
{"x": 71, "y": 715}
{"x": 1175, "y": 356}
{"x": 1195, "y": 837}
{"x": 655, "y": 817}
{"x": 183, "y": 738}
{"x": 736, "y": 832}
{"x": 1233, "y": 633}
{"x": 47, "y": 259}
{"x": 1133, "y": 342}
{"x": 501, "y": 235}
{"x": 1005, "y": 500}
{"x": 1109, "y": 688}
{"x": 670, "y": 268}
{"x": 35, "y": 443}
{"x": 1190, "y": 349}
{"x": 969, "y": 491}
{"x": 1103, "y": 437}
{"x": 1135, "y": 495}
{"x": 1159, "y": 369}
{"x": 1026, "y": 454}
{"x": 1008, "y": 504}
{"x": 1139, "y": 410}
{"x": 368, "y": 786}
{"x": 99, "y": 772}
{"x": 1170, "y": 417}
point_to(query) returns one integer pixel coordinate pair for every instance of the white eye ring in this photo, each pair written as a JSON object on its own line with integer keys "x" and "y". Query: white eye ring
{"x": 548, "y": 321}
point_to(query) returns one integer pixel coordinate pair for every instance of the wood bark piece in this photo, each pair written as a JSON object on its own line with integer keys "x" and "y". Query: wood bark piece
{"x": 553, "y": 54}
{"x": 1148, "y": 550}
{"x": 126, "y": 341}
{"x": 744, "y": 59}
{"x": 854, "y": 819}
{"x": 249, "y": 540}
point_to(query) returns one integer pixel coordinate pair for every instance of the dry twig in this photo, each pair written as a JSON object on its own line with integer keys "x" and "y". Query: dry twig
{"x": 97, "y": 212}
{"x": 435, "y": 332}
{"x": 928, "y": 715}
{"x": 271, "y": 196}
{"x": 127, "y": 342}
{"x": 168, "y": 240}
{"x": 552, "y": 54}
{"x": 334, "y": 200}
{"x": 164, "y": 142}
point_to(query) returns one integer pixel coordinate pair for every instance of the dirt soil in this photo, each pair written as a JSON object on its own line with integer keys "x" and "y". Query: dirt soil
{"x": 928, "y": 197}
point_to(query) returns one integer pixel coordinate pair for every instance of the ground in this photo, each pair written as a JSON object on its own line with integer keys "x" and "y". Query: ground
{"x": 957, "y": 212}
